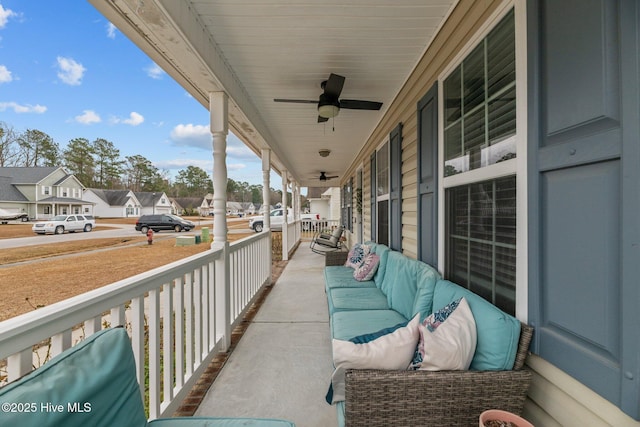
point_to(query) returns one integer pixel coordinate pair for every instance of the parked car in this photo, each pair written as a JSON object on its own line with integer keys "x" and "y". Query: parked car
{"x": 163, "y": 222}
{"x": 309, "y": 221}
{"x": 61, "y": 223}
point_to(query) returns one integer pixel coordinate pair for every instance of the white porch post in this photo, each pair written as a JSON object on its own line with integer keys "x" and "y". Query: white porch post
{"x": 266, "y": 202}
{"x": 285, "y": 183}
{"x": 218, "y": 110}
{"x": 266, "y": 189}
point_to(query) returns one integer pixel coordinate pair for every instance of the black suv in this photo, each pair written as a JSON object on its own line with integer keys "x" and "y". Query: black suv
{"x": 163, "y": 222}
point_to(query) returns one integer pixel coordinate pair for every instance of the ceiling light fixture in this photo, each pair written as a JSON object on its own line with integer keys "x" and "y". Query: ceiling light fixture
{"x": 324, "y": 152}
{"x": 328, "y": 107}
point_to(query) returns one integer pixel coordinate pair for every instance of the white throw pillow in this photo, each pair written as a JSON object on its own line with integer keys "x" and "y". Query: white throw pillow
{"x": 447, "y": 339}
{"x": 392, "y": 351}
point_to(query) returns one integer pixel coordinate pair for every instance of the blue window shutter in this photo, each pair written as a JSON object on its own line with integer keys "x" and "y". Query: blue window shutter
{"x": 584, "y": 192}
{"x": 395, "y": 188}
{"x": 428, "y": 177}
{"x": 372, "y": 198}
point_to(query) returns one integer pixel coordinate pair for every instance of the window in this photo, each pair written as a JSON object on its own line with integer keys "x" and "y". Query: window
{"x": 480, "y": 104}
{"x": 46, "y": 190}
{"x": 382, "y": 194}
{"x": 479, "y": 114}
{"x": 347, "y": 205}
{"x": 481, "y": 239}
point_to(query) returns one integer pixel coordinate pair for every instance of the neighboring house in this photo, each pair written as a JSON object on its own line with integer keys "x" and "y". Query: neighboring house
{"x": 153, "y": 202}
{"x": 114, "y": 203}
{"x": 234, "y": 208}
{"x": 42, "y": 192}
{"x": 206, "y": 207}
{"x": 248, "y": 208}
{"x": 188, "y": 204}
{"x": 324, "y": 201}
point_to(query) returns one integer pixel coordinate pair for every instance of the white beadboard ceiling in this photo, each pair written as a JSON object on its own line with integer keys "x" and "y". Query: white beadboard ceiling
{"x": 257, "y": 50}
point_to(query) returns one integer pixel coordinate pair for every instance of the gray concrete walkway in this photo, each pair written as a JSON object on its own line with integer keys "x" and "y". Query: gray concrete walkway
{"x": 282, "y": 365}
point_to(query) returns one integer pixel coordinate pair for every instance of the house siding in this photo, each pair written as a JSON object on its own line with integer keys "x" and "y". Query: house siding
{"x": 462, "y": 24}
{"x": 555, "y": 398}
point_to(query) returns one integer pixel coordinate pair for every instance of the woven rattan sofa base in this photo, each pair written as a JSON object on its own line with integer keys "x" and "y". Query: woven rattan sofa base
{"x": 422, "y": 398}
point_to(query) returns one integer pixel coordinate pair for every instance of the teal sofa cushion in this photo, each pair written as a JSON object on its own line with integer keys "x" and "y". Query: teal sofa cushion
{"x": 348, "y": 324}
{"x": 498, "y": 332}
{"x": 383, "y": 252}
{"x": 342, "y": 277}
{"x": 400, "y": 283}
{"x": 219, "y": 422}
{"x": 341, "y": 299}
{"x": 426, "y": 285}
{"x": 99, "y": 371}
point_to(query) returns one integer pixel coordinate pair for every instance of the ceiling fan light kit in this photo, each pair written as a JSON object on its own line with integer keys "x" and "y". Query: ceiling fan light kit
{"x": 329, "y": 103}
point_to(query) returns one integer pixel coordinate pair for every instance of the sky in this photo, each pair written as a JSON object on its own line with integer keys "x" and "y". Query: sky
{"x": 67, "y": 71}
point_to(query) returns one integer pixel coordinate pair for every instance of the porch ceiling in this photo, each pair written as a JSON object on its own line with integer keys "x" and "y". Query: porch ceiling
{"x": 260, "y": 50}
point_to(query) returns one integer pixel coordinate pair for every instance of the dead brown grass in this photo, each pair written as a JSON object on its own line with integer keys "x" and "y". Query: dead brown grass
{"x": 46, "y": 281}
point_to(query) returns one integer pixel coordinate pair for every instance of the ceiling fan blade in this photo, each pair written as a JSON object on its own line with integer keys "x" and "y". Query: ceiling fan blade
{"x": 355, "y": 104}
{"x": 296, "y": 101}
{"x": 322, "y": 119}
{"x": 333, "y": 87}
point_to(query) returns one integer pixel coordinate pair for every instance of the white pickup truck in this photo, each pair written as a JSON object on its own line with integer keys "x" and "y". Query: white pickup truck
{"x": 309, "y": 221}
{"x": 61, "y": 223}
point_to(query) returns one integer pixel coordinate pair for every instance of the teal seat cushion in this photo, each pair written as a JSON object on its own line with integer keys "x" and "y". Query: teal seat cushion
{"x": 498, "y": 332}
{"x": 99, "y": 372}
{"x": 341, "y": 299}
{"x": 340, "y": 409}
{"x": 219, "y": 422}
{"x": 348, "y": 324}
{"x": 342, "y": 277}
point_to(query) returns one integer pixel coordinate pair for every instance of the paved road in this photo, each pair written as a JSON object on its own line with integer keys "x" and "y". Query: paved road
{"x": 117, "y": 230}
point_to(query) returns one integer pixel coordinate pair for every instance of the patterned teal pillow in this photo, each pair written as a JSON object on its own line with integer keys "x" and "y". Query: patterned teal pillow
{"x": 356, "y": 255}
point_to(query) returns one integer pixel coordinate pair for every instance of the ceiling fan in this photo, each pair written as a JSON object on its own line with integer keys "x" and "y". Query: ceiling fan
{"x": 329, "y": 104}
{"x": 324, "y": 177}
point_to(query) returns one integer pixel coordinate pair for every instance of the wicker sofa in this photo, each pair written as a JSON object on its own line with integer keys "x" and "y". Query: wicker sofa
{"x": 417, "y": 397}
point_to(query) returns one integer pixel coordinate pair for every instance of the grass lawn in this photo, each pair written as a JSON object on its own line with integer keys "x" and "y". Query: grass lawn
{"x": 48, "y": 277}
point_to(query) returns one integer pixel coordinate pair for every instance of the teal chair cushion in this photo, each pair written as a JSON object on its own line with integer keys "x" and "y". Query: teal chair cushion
{"x": 342, "y": 277}
{"x": 426, "y": 285}
{"x": 401, "y": 283}
{"x": 99, "y": 372}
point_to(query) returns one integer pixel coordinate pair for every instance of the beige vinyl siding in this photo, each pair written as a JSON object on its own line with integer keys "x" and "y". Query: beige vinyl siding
{"x": 557, "y": 399}
{"x": 462, "y": 24}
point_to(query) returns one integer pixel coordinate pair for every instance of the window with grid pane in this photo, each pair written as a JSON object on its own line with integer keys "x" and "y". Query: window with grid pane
{"x": 481, "y": 239}
{"x": 480, "y": 103}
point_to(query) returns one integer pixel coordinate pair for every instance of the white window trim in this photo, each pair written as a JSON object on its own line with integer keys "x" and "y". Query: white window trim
{"x": 517, "y": 166}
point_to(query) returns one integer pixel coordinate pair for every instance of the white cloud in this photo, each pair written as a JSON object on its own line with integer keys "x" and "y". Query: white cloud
{"x": 5, "y": 14}
{"x": 88, "y": 117}
{"x": 70, "y": 71}
{"x": 154, "y": 71}
{"x": 111, "y": 30}
{"x": 191, "y": 135}
{"x": 17, "y": 108}
{"x": 5, "y": 75}
{"x": 134, "y": 119}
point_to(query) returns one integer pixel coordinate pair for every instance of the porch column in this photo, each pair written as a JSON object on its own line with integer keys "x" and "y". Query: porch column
{"x": 285, "y": 216}
{"x": 218, "y": 110}
{"x": 266, "y": 189}
{"x": 266, "y": 202}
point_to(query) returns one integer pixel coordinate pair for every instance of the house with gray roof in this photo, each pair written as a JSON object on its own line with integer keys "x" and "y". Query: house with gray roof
{"x": 42, "y": 192}
{"x": 114, "y": 203}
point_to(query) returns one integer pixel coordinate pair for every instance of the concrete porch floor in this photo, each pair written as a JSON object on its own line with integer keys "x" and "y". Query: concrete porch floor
{"x": 281, "y": 367}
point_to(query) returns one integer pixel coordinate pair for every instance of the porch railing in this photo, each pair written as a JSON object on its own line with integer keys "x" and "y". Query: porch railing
{"x": 310, "y": 228}
{"x": 177, "y": 316}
